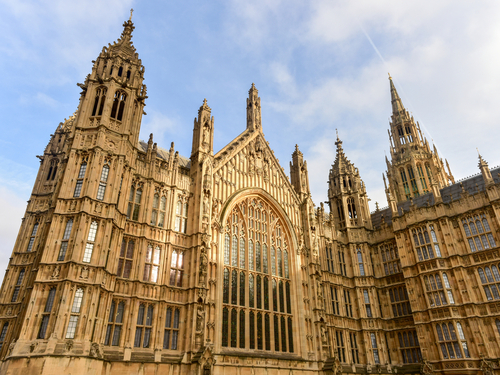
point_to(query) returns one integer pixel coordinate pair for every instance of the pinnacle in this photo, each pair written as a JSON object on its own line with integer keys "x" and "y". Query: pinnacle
{"x": 397, "y": 104}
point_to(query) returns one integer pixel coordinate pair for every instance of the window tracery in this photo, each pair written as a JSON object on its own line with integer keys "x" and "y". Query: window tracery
{"x": 256, "y": 280}
{"x": 478, "y": 233}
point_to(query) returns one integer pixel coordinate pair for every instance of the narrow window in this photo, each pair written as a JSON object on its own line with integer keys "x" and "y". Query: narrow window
{"x": 118, "y": 105}
{"x": 3, "y": 334}
{"x": 64, "y": 243}
{"x": 171, "y": 333}
{"x": 368, "y": 307}
{"x": 89, "y": 247}
{"x": 143, "y": 327}
{"x": 125, "y": 259}
{"x": 115, "y": 324}
{"x": 151, "y": 264}
{"x": 79, "y": 180}
{"x": 46, "y": 313}
{"x": 176, "y": 268}
{"x": 103, "y": 182}
{"x": 17, "y": 288}
{"x": 32, "y": 238}
{"x": 360, "y": 262}
{"x": 376, "y": 358}
{"x": 134, "y": 204}
{"x": 75, "y": 314}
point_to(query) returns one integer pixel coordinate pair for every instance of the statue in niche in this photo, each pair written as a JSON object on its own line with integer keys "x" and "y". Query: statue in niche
{"x": 206, "y": 204}
{"x": 200, "y": 319}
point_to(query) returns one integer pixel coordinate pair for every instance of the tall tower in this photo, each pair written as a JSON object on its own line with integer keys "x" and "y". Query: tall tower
{"x": 60, "y": 276}
{"x": 347, "y": 193}
{"x": 413, "y": 165}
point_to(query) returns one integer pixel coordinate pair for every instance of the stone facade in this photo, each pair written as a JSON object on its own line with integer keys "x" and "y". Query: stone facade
{"x": 132, "y": 259}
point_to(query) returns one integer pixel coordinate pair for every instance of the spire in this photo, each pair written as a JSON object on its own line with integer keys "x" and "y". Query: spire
{"x": 124, "y": 44}
{"x": 485, "y": 170}
{"x": 397, "y": 104}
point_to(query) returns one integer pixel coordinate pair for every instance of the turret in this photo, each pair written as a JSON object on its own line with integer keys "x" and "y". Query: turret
{"x": 413, "y": 165}
{"x": 485, "y": 171}
{"x": 347, "y": 193}
{"x": 203, "y": 132}
{"x": 298, "y": 172}
{"x": 254, "y": 121}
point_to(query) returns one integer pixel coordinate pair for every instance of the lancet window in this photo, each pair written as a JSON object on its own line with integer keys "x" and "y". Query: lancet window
{"x": 103, "y": 181}
{"x": 75, "y": 314}
{"x": 100, "y": 98}
{"x": 17, "y": 288}
{"x": 399, "y": 301}
{"x": 158, "y": 213}
{"x": 151, "y": 264}
{"x": 115, "y": 323}
{"x": 490, "y": 278}
{"x": 176, "y": 268}
{"x": 79, "y": 180}
{"x": 413, "y": 181}
{"x": 65, "y": 239}
{"x": 181, "y": 213}
{"x": 437, "y": 293}
{"x": 422, "y": 178}
{"x": 46, "y": 313}
{"x": 89, "y": 247}
{"x": 354, "y": 348}
{"x": 478, "y": 233}
{"x": 32, "y": 238}
{"x": 405, "y": 183}
{"x": 126, "y": 258}
{"x": 256, "y": 280}
{"x": 452, "y": 346}
{"x": 134, "y": 204}
{"x": 3, "y": 334}
{"x": 118, "y": 105}
{"x": 329, "y": 259}
{"x": 351, "y": 208}
{"x": 171, "y": 333}
{"x": 144, "y": 326}
{"x": 373, "y": 340}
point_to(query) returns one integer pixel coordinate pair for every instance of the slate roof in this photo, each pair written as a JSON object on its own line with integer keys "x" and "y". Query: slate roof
{"x": 165, "y": 154}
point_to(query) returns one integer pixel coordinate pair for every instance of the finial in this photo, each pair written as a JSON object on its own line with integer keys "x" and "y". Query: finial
{"x": 205, "y": 101}
{"x": 337, "y": 131}
{"x": 131, "y": 11}
{"x": 390, "y": 76}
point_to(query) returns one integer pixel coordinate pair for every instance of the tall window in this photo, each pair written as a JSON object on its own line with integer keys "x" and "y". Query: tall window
{"x": 339, "y": 335}
{"x": 413, "y": 181}
{"x": 176, "y": 268}
{"x": 329, "y": 259}
{"x": 154, "y": 212}
{"x": 118, "y": 105}
{"x": 115, "y": 323}
{"x": 399, "y": 301}
{"x": 257, "y": 289}
{"x": 100, "y": 98}
{"x": 134, "y": 203}
{"x": 435, "y": 241}
{"x": 451, "y": 346}
{"x": 390, "y": 258}
{"x": 126, "y": 258}
{"x": 79, "y": 180}
{"x": 368, "y": 306}
{"x": 360, "y": 263}
{"x": 144, "y": 326}
{"x": 490, "y": 278}
{"x": 422, "y": 178}
{"x": 435, "y": 291}
{"x": 354, "y": 348}
{"x": 17, "y": 288}
{"x": 3, "y": 334}
{"x": 478, "y": 233}
{"x": 335, "y": 301}
{"x": 89, "y": 247}
{"x": 409, "y": 346}
{"x": 75, "y": 314}
{"x": 348, "y": 303}
{"x": 351, "y": 208}
{"x": 405, "y": 183}
{"x": 181, "y": 213}
{"x": 64, "y": 243}
{"x": 497, "y": 323}
{"x": 32, "y": 238}
{"x": 151, "y": 264}
{"x": 423, "y": 244}
{"x": 342, "y": 266}
{"x": 373, "y": 340}
{"x": 171, "y": 333}
{"x": 103, "y": 181}
{"x": 46, "y": 313}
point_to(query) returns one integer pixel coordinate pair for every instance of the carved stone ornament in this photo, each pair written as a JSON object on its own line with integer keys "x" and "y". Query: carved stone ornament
{"x": 56, "y": 272}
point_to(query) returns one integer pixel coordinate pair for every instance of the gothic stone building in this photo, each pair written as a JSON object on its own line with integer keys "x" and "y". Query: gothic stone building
{"x": 132, "y": 259}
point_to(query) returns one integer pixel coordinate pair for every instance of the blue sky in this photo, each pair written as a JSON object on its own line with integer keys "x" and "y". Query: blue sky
{"x": 319, "y": 66}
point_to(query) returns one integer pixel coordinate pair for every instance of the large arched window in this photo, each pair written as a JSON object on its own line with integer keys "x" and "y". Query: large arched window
{"x": 256, "y": 280}
{"x": 118, "y": 105}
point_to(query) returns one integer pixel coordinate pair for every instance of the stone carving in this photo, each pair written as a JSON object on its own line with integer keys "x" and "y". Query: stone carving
{"x": 95, "y": 350}
{"x": 56, "y": 272}
{"x": 84, "y": 273}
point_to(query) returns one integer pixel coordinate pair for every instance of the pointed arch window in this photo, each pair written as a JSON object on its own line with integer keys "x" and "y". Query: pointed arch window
{"x": 46, "y": 313}
{"x": 171, "y": 333}
{"x": 100, "y": 98}
{"x": 32, "y": 238}
{"x": 361, "y": 264}
{"x": 134, "y": 204}
{"x": 451, "y": 346}
{"x": 425, "y": 250}
{"x": 152, "y": 264}
{"x": 409, "y": 346}
{"x": 405, "y": 183}
{"x": 103, "y": 182}
{"x": 177, "y": 268}
{"x": 115, "y": 323}
{"x": 351, "y": 209}
{"x": 490, "y": 278}
{"x": 3, "y": 334}
{"x": 413, "y": 181}
{"x": 118, "y": 105}
{"x": 17, "y": 287}
{"x": 181, "y": 213}
{"x": 401, "y": 135}
{"x": 79, "y": 180}
{"x": 158, "y": 213}
{"x": 435, "y": 291}
{"x": 422, "y": 178}
{"x": 75, "y": 314}
{"x": 89, "y": 247}
{"x": 256, "y": 290}
{"x": 65, "y": 239}
{"x": 373, "y": 340}
{"x": 144, "y": 326}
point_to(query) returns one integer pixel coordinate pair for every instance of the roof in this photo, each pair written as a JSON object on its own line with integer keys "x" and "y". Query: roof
{"x": 165, "y": 155}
